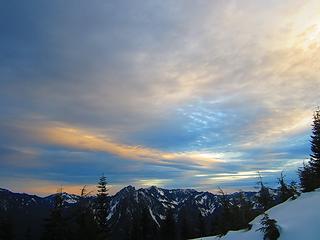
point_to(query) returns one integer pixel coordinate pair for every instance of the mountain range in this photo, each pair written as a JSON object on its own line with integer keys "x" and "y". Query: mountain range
{"x": 29, "y": 211}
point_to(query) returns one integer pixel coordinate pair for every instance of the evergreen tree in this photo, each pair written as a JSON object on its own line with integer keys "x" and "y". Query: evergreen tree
{"x": 306, "y": 178}
{"x": 310, "y": 172}
{"x": 56, "y": 225}
{"x": 269, "y": 228}
{"x": 225, "y": 218}
{"x": 85, "y": 226}
{"x": 264, "y": 197}
{"x": 102, "y": 208}
{"x": 285, "y": 190}
{"x": 315, "y": 148}
{"x": 234, "y": 214}
{"x": 168, "y": 226}
{"x": 294, "y": 189}
{"x": 246, "y": 213}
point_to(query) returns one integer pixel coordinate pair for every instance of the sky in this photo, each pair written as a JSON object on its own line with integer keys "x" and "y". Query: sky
{"x": 177, "y": 94}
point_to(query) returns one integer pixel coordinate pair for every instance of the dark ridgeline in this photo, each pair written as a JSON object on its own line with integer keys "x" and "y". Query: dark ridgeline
{"x": 151, "y": 213}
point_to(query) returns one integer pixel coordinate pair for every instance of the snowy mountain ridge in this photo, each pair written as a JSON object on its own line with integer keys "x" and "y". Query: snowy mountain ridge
{"x": 125, "y": 206}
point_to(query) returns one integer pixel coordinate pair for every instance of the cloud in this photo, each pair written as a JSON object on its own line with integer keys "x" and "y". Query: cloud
{"x": 66, "y": 136}
{"x": 20, "y": 157}
{"x": 204, "y": 86}
{"x": 153, "y": 182}
{"x": 44, "y": 187}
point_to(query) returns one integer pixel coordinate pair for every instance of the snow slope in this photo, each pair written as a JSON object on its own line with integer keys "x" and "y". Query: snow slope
{"x": 298, "y": 219}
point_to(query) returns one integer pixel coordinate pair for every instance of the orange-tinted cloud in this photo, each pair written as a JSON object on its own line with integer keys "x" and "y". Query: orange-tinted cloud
{"x": 59, "y": 134}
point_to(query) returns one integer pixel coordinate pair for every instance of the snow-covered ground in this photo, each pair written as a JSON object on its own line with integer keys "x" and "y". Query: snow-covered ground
{"x": 298, "y": 219}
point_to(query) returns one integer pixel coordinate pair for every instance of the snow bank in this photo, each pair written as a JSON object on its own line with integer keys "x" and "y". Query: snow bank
{"x": 298, "y": 219}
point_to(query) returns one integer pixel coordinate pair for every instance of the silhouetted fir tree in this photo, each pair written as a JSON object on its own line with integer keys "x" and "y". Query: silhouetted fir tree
{"x": 235, "y": 212}
{"x": 246, "y": 213}
{"x": 56, "y": 225}
{"x": 236, "y": 215}
{"x": 6, "y": 228}
{"x": 168, "y": 227}
{"x": 102, "y": 207}
{"x": 294, "y": 190}
{"x": 315, "y": 148}
{"x": 306, "y": 176}
{"x": 269, "y": 228}
{"x": 284, "y": 190}
{"x": 264, "y": 197}
{"x": 225, "y": 217}
{"x": 310, "y": 173}
{"x": 85, "y": 225}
